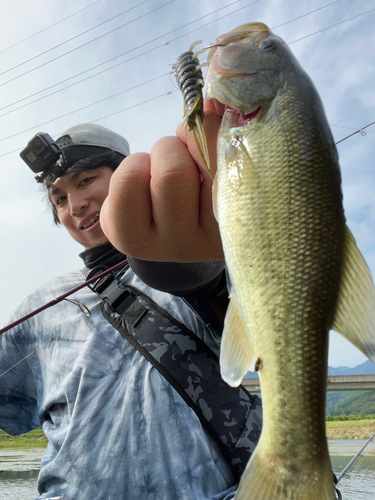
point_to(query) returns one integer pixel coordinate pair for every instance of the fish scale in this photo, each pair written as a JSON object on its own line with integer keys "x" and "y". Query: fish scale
{"x": 290, "y": 257}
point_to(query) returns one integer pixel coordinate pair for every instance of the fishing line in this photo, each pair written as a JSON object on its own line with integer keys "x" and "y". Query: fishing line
{"x": 357, "y": 132}
{"x": 351, "y": 128}
{"x": 32, "y": 352}
{"x": 135, "y": 105}
{"x": 53, "y": 336}
{"x": 349, "y": 146}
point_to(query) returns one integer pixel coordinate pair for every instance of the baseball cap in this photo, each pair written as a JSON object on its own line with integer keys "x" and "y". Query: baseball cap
{"x": 88, "y": 138}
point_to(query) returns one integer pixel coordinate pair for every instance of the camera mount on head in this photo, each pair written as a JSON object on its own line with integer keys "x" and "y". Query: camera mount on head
{"x": 43, "y": 154}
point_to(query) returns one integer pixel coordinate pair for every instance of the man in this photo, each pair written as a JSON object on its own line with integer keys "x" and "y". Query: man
{"x": 116, "y": 426}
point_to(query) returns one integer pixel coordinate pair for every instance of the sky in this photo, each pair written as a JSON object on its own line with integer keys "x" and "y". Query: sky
{"x": 110, "y": 62}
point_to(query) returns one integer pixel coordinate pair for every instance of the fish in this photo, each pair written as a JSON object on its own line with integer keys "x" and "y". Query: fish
{"x": 294, "y": 267}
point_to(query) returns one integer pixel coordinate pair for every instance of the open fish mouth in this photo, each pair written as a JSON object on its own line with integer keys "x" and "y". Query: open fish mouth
{"x": 239, "y": 119}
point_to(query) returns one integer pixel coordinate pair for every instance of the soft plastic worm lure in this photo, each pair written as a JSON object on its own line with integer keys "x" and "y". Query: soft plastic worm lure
{"x": 190, "y": 81}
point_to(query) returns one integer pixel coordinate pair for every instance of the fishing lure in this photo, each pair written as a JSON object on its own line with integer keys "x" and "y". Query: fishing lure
{"x": 189, "y": 78}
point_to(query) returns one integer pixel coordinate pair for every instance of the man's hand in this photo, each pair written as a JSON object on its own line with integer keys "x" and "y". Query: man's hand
{"x": 159, "y": 206}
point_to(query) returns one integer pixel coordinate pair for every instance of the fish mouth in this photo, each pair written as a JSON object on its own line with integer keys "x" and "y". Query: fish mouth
{"x": 240, "y": 119}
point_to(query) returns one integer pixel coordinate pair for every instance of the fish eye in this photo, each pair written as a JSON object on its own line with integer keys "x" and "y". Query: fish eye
{"x": 265, "y": 44}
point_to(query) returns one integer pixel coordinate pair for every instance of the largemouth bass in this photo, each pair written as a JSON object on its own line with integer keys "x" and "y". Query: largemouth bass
{"x": 293, "y": 264}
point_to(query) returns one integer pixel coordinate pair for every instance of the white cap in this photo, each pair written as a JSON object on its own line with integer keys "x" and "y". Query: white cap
{"x": 89, "y": 134}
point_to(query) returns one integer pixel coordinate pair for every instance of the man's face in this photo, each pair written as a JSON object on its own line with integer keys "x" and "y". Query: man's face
{"x": 78, "y": 198}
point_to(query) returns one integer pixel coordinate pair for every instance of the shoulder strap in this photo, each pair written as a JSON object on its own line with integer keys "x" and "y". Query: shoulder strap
{"x": 232, "y": 416}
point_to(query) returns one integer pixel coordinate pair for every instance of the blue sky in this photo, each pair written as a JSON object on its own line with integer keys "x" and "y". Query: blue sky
{"x": 336, "y": 51}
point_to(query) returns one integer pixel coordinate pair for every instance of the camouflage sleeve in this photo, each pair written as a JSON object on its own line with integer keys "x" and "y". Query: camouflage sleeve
{"x": 197, "y": 280}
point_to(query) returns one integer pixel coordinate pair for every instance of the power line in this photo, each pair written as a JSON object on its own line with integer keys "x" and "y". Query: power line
{"x": 329, "y": 27}
{"x": 157, "y": 97}
{"x": 92, "y": 104}
{"x": 77, "y": 36}
{"x": 48, "y": 27}
{"x": 80, "y": 46}
{"x": 303, "y": 15}
{"x": 166, "y": 44}
{"x": 103, "y": 117}
{"x": 85, "y": 107}
{"x": 142, "y": 45}
{"x": 120, "y": 55}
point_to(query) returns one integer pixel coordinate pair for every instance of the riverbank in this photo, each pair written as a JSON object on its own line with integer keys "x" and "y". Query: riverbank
{"x": 35, "y": 438}
{"x": 350, "y": 429}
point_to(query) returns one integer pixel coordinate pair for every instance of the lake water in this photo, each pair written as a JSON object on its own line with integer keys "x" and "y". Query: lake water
{"x": 19, "y": 471}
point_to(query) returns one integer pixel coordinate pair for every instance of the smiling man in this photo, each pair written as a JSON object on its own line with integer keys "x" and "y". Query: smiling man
{"x": 124, "y": 396}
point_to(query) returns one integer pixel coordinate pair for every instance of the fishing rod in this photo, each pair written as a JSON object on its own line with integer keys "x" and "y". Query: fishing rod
{"x": 64, "y": 296}
{"x": 354, "y": 459}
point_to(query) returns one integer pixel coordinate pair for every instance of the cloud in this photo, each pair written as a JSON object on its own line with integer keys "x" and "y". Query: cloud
{"x": 339, "y": 61}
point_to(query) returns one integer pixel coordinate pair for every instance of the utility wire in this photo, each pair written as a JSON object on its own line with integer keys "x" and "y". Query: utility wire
{"x": 154, "y": 48}
{"x": 88, "y": 106}
{"x": 124, "y": 53}
{"x": 146, "y": 43}
{"x": 77, "y": 36}
{"x": 329, "y": 27}
{"x": 48, "y": 27}
{"x": 99, "y": 119}
{"x": 80, "y": 46}
{"x": 116, "y": 57}
{"x": 303, "y": 15}
{"x": 166, "y": 44}
{"x": 142, "y": 45}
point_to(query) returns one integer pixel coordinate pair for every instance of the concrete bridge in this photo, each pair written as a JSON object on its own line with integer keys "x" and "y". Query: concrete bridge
{"x": 334, "y": 383}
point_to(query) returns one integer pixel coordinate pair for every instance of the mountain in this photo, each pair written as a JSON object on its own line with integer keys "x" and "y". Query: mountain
{"x": 350, "y": 403}
{"x": 366, "y": 368}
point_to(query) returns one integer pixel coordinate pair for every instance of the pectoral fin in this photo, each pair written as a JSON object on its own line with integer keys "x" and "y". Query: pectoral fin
{"x": 236, "y": 352}
{"x": 355, "y": 310}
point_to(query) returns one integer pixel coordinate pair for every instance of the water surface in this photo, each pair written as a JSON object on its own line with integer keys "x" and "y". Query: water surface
{"x": 19, "y": 471}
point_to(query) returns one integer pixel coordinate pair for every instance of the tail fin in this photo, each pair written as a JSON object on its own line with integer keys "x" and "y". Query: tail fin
{"x": 266, "y": 479}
